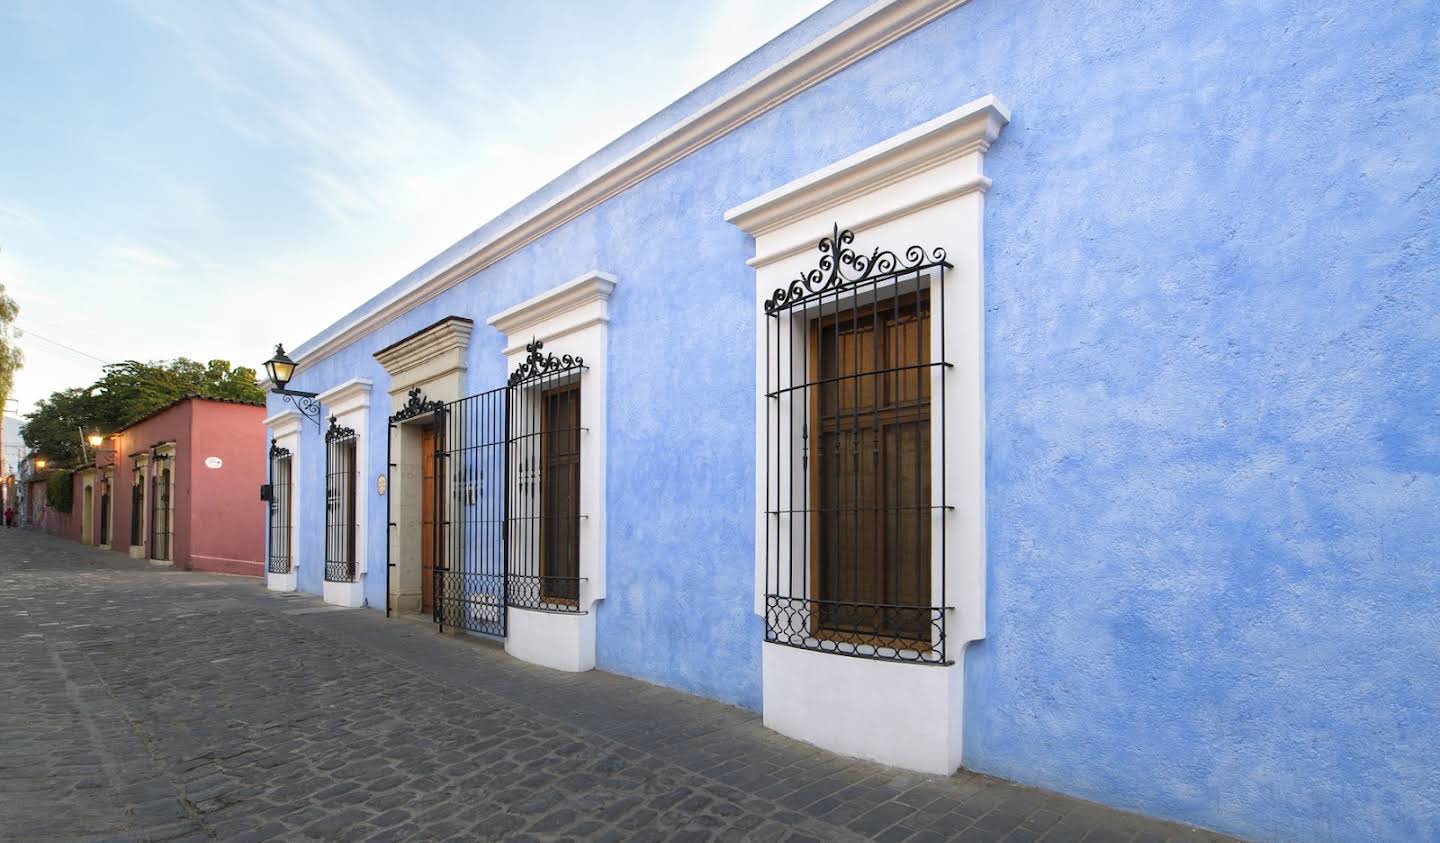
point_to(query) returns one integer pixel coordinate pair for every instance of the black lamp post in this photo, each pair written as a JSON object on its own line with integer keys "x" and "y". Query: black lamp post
{"x": 281, "y": 368}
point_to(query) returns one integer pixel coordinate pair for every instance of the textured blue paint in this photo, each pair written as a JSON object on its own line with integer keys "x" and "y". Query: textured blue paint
{"x": 1212, "y": 380}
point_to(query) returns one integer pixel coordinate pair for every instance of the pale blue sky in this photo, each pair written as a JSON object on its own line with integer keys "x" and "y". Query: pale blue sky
{"x": 170, "y": 172}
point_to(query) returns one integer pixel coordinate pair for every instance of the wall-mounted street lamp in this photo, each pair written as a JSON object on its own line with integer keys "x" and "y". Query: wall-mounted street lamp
{"x": 281, "y": 368}
{"x": 95, "y": 440}
{"x": 40, "y": 464}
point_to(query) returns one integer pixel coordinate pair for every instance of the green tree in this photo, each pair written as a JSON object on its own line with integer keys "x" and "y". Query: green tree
{"x": 126, "y": 392}
{"x": 10, "y": 356}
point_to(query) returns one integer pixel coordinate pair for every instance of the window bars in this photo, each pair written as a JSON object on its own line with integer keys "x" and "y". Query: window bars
{"x": 105, "y": 510}
{"x": 544, "y": 512}
{"x": 162, "y": 513}
{"x": 280, "y": 468}
{"x": 341, "y": 488}
{"x": 137, "y": 503}
{"x": 854, "y": 492}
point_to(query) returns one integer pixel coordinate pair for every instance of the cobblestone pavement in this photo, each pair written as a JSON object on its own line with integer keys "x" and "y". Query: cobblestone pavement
{"x": 145, "y": 704}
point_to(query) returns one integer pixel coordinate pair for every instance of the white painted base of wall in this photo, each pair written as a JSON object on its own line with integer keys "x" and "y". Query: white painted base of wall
{"x": 551, "y": 639}
{"x": 137, "y": 551}
{"x": 904, "y": 715}
{"x": 161, "y": 563}
{"x": 350, "y": 594}
{"x": 280, "y": 582}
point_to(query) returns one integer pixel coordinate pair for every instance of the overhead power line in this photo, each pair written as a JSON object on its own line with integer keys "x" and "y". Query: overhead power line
{"x": 29, "y": 333}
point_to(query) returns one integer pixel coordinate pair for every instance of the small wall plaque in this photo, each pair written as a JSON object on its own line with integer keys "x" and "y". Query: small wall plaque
{"x": 381, "y": 484}
{"x": 213, "y": 462}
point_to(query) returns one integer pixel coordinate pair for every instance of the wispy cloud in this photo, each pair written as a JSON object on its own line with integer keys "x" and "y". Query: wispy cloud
{"x": 316, "y": 152}
{"x": 140, "y": 256}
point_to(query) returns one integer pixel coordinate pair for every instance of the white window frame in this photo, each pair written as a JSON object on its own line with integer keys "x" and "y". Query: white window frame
{"x": 572, "y": 318}
{"x": 285, "y": 428}
{"x": 349, "y": 405}
{"x": 925, "y": 187}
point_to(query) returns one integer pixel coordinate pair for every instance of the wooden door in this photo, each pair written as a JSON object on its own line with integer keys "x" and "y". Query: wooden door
{"x": 427, "y": 520}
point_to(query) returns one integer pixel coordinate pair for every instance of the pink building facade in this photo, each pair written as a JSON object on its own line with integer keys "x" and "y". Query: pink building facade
{"x": 178, "y": 487}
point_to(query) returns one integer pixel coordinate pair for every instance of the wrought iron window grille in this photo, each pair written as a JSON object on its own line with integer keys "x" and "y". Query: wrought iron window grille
{"x": 162, "y": 506}
{"x": 342, "y": 489}
{"x": 137, "y": 502}
{"x": 854, "y": 503}
{"x": 545, "y": 440}
{"x": 280, "y": 511}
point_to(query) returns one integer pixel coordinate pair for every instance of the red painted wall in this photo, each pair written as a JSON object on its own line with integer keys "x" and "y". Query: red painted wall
{"x": 219, "y": 522}
{"x": 225, "y": 508}
{"x": 172, "y": 425}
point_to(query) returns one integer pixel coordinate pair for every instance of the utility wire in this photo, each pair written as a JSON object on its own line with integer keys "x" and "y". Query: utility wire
{"x": 26, "y": 332}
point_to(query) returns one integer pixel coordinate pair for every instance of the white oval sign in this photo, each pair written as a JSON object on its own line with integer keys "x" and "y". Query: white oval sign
{"x": 381, "y": 484}
{"x": 213, "y": 462}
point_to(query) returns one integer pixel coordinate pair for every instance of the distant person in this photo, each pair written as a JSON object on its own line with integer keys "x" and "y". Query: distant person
{"x": 9, "y": 516}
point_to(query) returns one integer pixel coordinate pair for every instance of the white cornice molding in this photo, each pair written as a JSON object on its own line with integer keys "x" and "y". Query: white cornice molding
{"x": 283, "y": 423}
{"x": 447, "y": 337}
{"x": 351, "y": 395}
{"x": 584, "y": 300}
{"x": 970, "y": 128}
{"x": 877, "y": 26}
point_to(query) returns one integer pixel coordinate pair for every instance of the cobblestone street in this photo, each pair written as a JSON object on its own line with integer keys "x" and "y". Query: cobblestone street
{"x": 145, "y": 704}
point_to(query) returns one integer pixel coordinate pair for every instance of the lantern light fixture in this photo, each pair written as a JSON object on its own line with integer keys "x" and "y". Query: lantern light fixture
{"x": 281, "y": 369}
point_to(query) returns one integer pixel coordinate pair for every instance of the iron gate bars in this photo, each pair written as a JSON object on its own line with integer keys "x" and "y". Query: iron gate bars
{"x": 162, "y": 530}
{"x": 468, "y": 588}
{"x": 507, "y": 484}
{"x": 280, "y": 468}
{"x": 544, "y": 520}
{"x": 853, "y": 507}
{"x": 341, "y": 492}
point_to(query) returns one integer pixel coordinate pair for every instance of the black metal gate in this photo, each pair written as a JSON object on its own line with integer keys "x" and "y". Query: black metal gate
{"x": 471, "y": 499}
{"x": 507, "y": 481}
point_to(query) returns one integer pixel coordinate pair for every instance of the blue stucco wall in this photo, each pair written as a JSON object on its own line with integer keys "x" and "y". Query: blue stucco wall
{"x": 1212, "y": 397}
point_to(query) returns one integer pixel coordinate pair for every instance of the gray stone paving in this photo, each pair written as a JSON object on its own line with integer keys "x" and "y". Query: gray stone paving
{"x": 149, "y": 704}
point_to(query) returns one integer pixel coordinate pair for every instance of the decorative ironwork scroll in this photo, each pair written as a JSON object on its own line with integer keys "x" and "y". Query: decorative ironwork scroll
{"x": 539, "y": 365}
{"x": 277, "y": 451}
{"x": 418, "y": 405}
{"x": 842, "y": 267}
{"x": 338, "y": 431}
{"x": 308, "y": 405}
